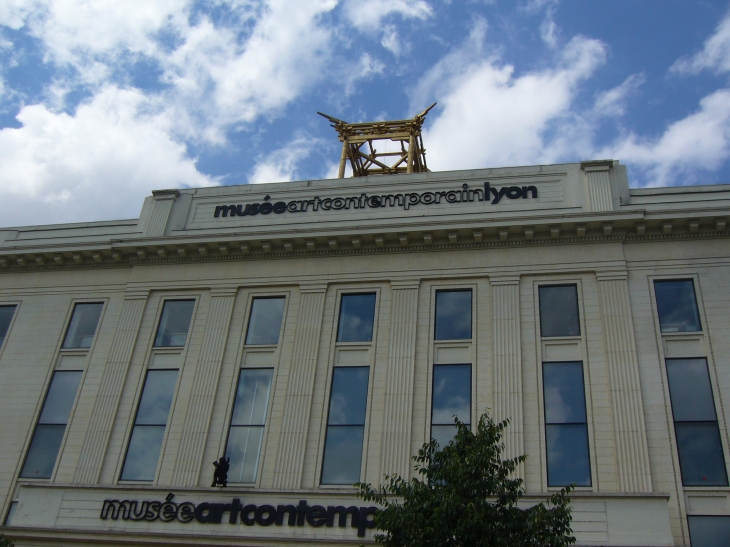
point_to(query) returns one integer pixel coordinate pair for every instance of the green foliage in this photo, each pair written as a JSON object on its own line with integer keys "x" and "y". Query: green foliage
{"x": 467, "y": 496}
{"x": 5, "y": 542}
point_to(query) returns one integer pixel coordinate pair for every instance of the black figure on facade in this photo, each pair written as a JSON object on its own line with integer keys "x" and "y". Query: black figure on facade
{"x": 220, "y": 475}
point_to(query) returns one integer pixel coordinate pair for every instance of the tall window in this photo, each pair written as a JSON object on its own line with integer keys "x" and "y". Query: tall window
{"x": 247, "y": 424}
{"x": 81, "y": 329}
{"x": 451, "y": 398}
{"x": 453, "y": 315}
{"x": 49, "y": 431}
{"x": 345, "y": 425}
{"x": 6, "y": 316}
{"x": 677, "y": 306}
{"x": 174, "y": 323}
{"x": 559, "y": 311}
{"x": 566, "y": 428}
{"x": 150, "y": 422}
{"x": 264, "y": 324}
{"x": 709, "y": 531}
{"x": 701, "y": 458}
{"x": 357, "y": 314}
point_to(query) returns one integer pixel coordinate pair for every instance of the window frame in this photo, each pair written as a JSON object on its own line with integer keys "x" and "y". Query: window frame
{"x": 338, "y": 317}
{"x": 249, "y": 313}
{"x": 461, "y": 288}
{"x": 158, "y": 322}
{"x": 581, "y": 327}
{"x": 17, "y": 305}
{"x": 69, "y": 319}
{"x": 472, "y": 382}
{"x": 695, "y": 289}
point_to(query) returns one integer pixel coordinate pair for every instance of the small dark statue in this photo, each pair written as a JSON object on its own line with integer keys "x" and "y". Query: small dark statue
{"x": 220, "y": 475}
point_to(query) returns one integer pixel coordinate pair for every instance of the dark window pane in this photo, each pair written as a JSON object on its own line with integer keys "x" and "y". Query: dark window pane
{"x": 244, "y": 446}
{"x": 564, "y": 393}
{"x": 11, "y": 513}
{"x": 453, "y": 315}
{"x": 443, "y": 434}
{"x": 567, "y": 455}
{"x": 265, "y": 322}
{"x": 154, "y": 406}
{"x": 174, "y": 323}
{"x": 81, "y": 330}
{"x": 559, "y": 311}
{"x": 451, "y": 394}
{"x": 357, "y": 313}
{"x": 143, "y": 453}
{"x": 252, "y": 397}
{"x": 709, "y": 531}
{"x": 349, "y": 398}
{"x": 60, "y": 398}
{"x": 342, "y": 455}
{"x": 690, "y": 390}
{"x": 677, "y": 306}
{"x": 43, "y": 451}
{"x": 700, "y": 454}
{"x": 6, "y": 315}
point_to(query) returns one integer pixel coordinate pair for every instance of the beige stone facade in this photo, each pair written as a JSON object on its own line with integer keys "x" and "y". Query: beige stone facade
{"x": 402, "y": 237}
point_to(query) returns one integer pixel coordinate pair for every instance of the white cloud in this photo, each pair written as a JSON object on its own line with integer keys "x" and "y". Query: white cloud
{"x": 492, "y": 117}
{"x": 368, "y": 15}
{"x": 391, "y": 41}
{"x": 98, "y": 163}
{"x": 613, "y": 101}
{"x": 699, "y": 142}
{"x": 715, "y": 54}
{"x": 282, "y": 165}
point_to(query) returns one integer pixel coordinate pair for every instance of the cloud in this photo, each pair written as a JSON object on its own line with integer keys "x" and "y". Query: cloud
{"x": 368, "y": 15}
{"x": 715, "y": 54}
{"x": 98, "y": 163}
{"x": 697, "y": 143}
{"x": 282, "y": 165}
{"x": 613, "y": 101}
{"x": 490, "y": 116}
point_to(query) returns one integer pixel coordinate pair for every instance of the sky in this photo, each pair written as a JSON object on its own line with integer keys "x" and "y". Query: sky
{"x": 102, "y": 102}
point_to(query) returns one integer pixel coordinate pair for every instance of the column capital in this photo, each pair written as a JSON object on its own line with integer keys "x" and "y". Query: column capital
{"x": 504, "y": 279}
{"x": 312, "y": 287}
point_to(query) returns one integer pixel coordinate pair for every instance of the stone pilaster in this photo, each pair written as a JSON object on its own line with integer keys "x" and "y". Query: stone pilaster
{"x": 110, "y": 389}
{"x": 507, "y": 359}
{"x": 398, "y": 410}
{"x": 300, "y": 387}
{"x": 623, "y": 368}
{"x": 202, "y": 395}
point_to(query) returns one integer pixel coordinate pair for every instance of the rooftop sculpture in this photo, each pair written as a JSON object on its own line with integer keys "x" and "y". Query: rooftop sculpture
{"x": 367, "y": 160}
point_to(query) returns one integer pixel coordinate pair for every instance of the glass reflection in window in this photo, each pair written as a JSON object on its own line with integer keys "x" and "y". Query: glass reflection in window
{"x": 345, "y": 425}
{"x": 174, "y": 323}
{"x": 6, "y": 316}
{"x": 150, "y": 422}
{"x": 677, "y": 306}
{"x": 247, "y": 424}
{"x": 357, "y": 314}
{"x": 81, "y": 329}
{"x": 51, "y": 425}
{"x": 701, "y": 459}
{"x": 559, "y": 310}
{"x": 709, "y": 531}
{"x": 453, "y": 315}
{"x": 566, "y": 428}
{"x": 451, "y": 398}
{"x": 264, "y": 325}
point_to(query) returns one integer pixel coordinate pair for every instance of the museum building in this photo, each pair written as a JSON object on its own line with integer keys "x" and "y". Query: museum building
{"x": 317, "y": 333}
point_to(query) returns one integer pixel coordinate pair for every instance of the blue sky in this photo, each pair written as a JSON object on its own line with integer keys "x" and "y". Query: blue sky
{"x": 102, "y": 102}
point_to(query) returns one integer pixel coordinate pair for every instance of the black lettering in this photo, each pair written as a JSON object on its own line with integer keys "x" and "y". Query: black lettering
{"x": 301, "y": 512}
{"x": 168, "y": 510}
{"x": 279, "y": 207}
{"x": 266, "y": 208}
{"x": 326, "y": 204}
{"x": 315, "y": 203}
{"x": 342, "y": 514}
{"x": 115, "y": 507}
{"x": 245, "y": 512}
{"x": 316, "y": 515}
{"x": 354, "y": 201}
{"x": 203, "y": 512}
{"x": 439, "y": 195}
{"x": 364, "y": 522}
{"x": 234, "y": 508}
{"x": 391, "y": 200}
{"x": 292, "y": 206}
{"x": 138, "y": 515}
{"x": 225, "y": 209}
{"x": 531, "y": 189}
{"x": 241, "y": 211}
{"x": 254, "y": 209}
{"x": 281, "y": 509}
{"x": 476, "y": 192}
{"x": 338, "y": 203}
{"x": 453, "y": 197}
{"x": 411, "y": 199}
{"x": 185, "y": 512}
{"x": 374, "y": 202}
{"x": 153, "y": 511}
{"x": 270, "y": 515}
{"x": 465, "y": 192}
{"x": 514, "y": 192}
{"x": 427, "y": 198}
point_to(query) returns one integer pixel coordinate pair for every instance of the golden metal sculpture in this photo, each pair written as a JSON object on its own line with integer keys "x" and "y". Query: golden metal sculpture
{"x": 411, "y": 158}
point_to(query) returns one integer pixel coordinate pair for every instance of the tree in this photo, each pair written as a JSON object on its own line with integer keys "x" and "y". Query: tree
{"x": 5, "y": 542}
{"x": 467, "y": 497}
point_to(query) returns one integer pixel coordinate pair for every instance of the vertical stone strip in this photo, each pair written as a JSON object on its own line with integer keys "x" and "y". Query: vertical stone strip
{"x": 202, "y": 396}
{"x": 632, "y": 453}
{"x": 110, "y": 389}
{"x": 507, "y": 358}
{"x": 299, "y": 389}
{"x": 599, "y": 185}
{"x": 161, "y": 212}
{"x": 398, "y": 411}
